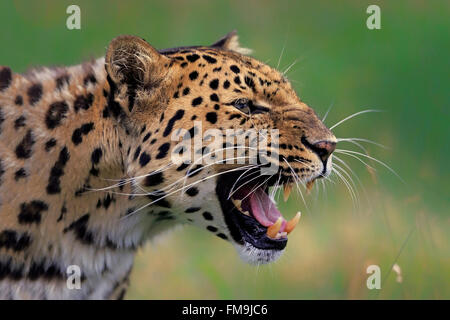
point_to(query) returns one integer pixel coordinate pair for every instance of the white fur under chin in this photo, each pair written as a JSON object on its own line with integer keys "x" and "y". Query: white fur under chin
{"x": 255, "y": 256}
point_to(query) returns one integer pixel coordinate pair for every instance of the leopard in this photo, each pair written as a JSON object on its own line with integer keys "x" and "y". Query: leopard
{"x": 86, "y": 169}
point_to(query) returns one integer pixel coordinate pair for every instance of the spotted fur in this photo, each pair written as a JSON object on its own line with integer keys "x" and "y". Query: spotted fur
{"x": 79, "y": 145}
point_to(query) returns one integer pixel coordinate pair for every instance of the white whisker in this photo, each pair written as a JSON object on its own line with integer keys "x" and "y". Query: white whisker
{"x": 354, "y": 115}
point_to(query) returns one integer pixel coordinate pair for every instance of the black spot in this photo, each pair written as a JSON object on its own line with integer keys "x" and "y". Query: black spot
{"x": 192, "y": 57}
{"x": 179, "y": 150}
{"x": 50, "y": 144}
{"x": 191, "y": 133}
{"x": 87, "y": 127}
{"x": 19, "y": 122}
{"x": 193, "y": 75}
{"x": 77, "y": 136}
{"x": 209, "y": 58}
{"x": 154, "y": 179}
{"x": 63, "y": 213}
{"x": 10, "y": 239}
{"x": 14, "y": 272}
{"x": 57, "y": 172}
{"x": 23, "y": 150}
{"x": 207, "y": 215}
{"x": 112, "y": 105}
{"x": 237, "y": 80}
{"x": 214, "y": 97}
{"x": 186, "y": 91}
{"x": 21, "y": 173}
{"x": 147, "y": 136}
{"x": 44, "y": 270}
{"x": 221, "y": 235}
{"x": 197, "y": 101}
{"x": 55, "y": 114}
{"x": 163, "y": 150}
{"x": 107, "y": 201}
{"x": 19, "y": 100}
{"x": 192, "y": 191}
{"x": 226, "y": 84}
{"x": 211, "y": 117}
{"x": 158, "y": 198}
{"x": 214, "y": 84}
{"x": 192, "y": 209}
{"x": 178, "y": 115}
{"x": 137, "y": 153}
{"x": 96, "y": 155}
{"x": 194, "y": 171}
{"x": 182, "y": 166}
{"x": 89, "y": 78}
{"x": 34, "y": 93}
{"x": 83, "y": 102}
{"x": 144, "y": 159}
{"x": 249, "y": 82}
{"x": 62, "y": 80}
{"x": 235, "y": 68}
{"x": 211, "y": 228}
{"x": 31, "y": 212}
{"x": 5, "y": 78}
{"x": 79, "y": 227}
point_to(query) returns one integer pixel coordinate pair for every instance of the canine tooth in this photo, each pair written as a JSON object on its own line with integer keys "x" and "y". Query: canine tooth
{"x": 273, "y": 229}
{"x": 290, "y": 225}
{"x": 246, "y": 213}
{"x": 237, "y": 204}
{"x": 287, "y": 191}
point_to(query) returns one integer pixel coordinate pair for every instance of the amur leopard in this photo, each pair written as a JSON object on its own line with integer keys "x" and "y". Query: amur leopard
{"x": 86, "y": 175}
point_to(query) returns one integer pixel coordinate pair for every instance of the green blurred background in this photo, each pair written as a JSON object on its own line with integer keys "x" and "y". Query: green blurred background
{"x": 402, "y": 69}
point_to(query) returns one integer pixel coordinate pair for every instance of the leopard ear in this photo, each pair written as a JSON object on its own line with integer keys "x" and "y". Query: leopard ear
{"x": 131, "y": 61}
{"x": 231, "y": 42}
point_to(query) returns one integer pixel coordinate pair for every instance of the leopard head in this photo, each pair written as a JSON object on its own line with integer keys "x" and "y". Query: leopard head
{"x": 184, "y": 111}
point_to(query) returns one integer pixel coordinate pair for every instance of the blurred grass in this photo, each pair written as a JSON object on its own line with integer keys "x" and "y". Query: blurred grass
{"x": 402, "y": 68}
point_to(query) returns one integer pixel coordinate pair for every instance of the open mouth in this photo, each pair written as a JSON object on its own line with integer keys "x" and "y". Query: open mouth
{"x": 250, "y": 212}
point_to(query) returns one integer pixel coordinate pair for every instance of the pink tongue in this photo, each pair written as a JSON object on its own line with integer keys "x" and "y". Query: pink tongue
{"x": 264, "y": 210}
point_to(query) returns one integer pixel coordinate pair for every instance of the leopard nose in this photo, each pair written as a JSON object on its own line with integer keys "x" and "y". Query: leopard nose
{"x": 324, "y": 149}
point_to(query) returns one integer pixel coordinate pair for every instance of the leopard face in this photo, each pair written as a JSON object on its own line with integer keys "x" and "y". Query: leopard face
{"x": 165, "y": 100}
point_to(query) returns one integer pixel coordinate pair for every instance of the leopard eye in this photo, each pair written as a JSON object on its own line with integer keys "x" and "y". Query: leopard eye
{"x": 243, "y": 105}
